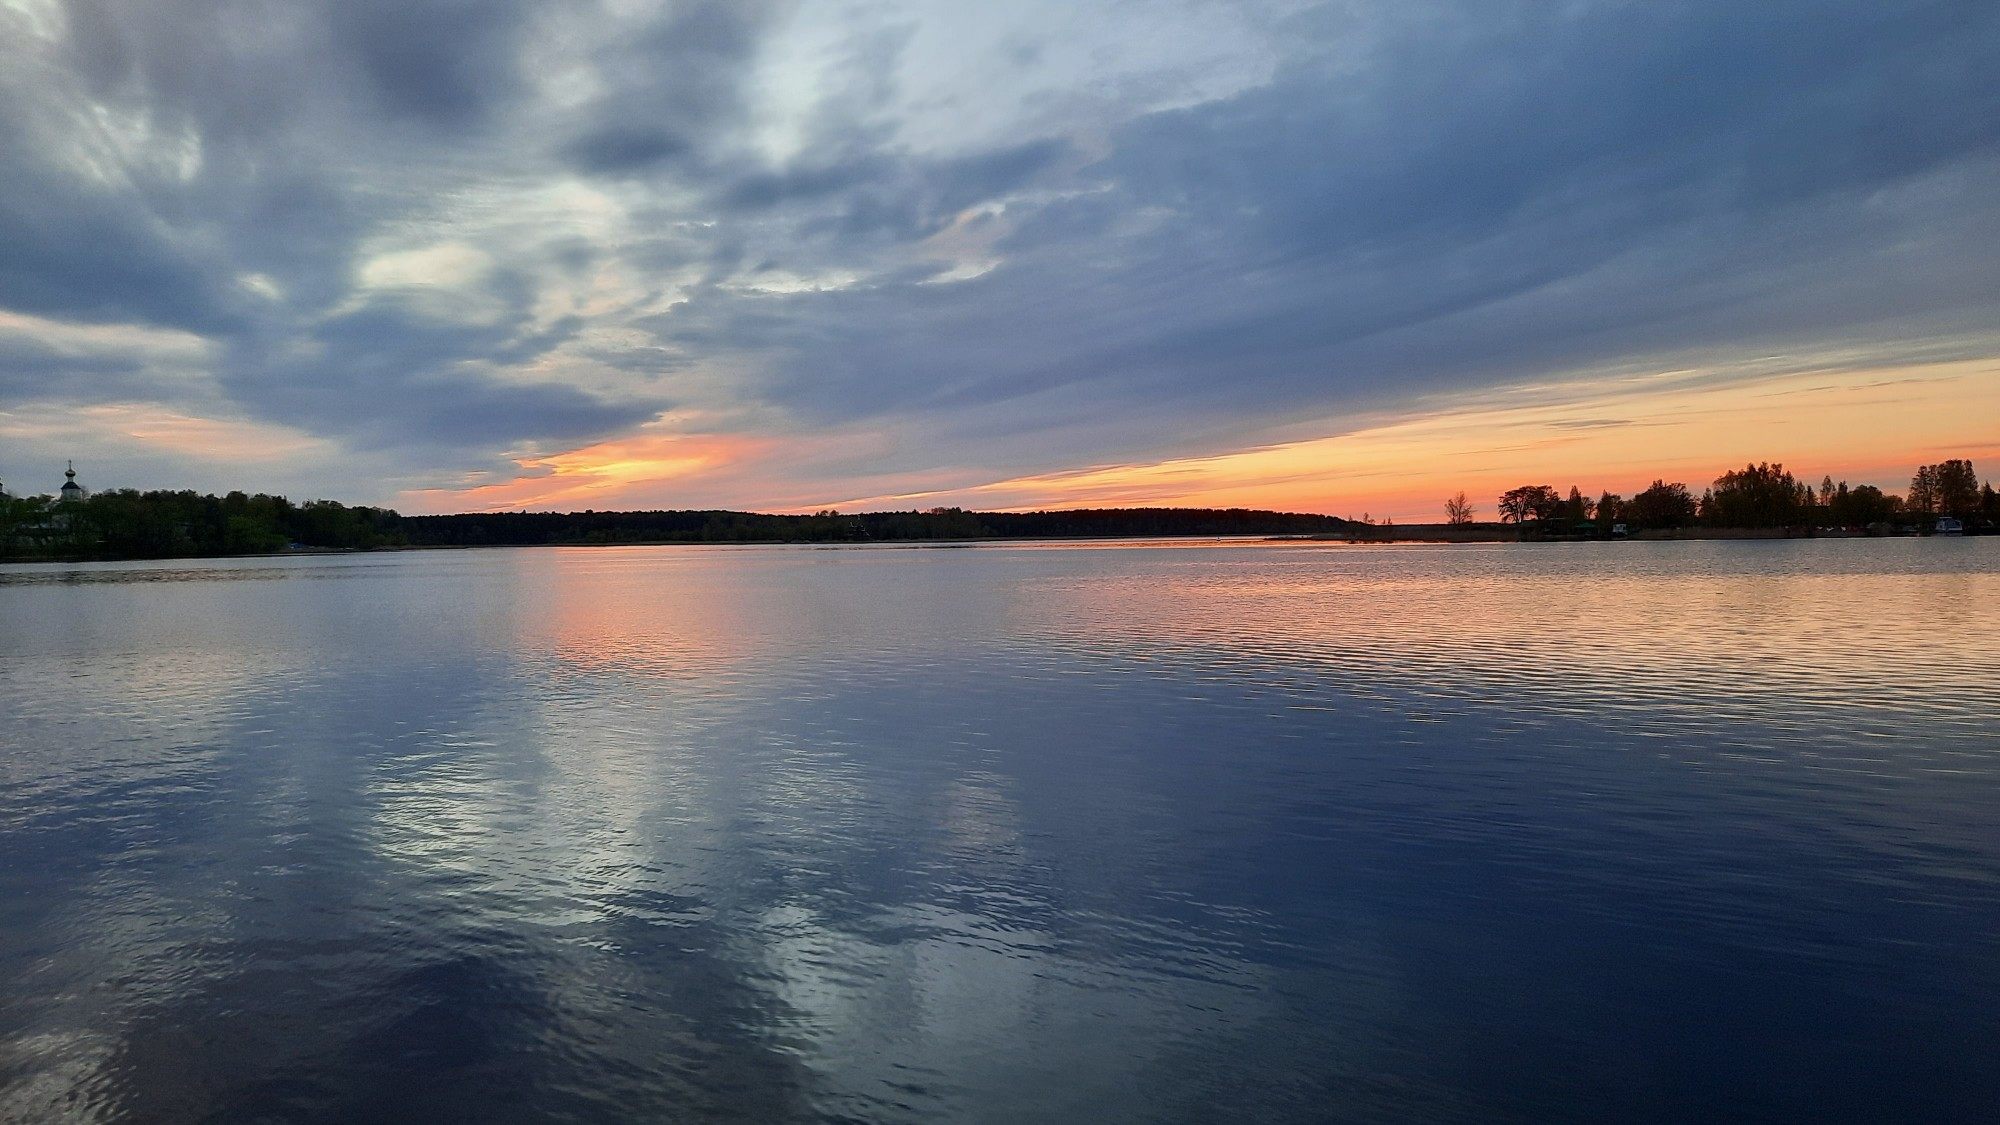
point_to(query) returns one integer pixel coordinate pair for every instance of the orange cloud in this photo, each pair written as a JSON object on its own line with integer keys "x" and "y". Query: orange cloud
{"x": 605, "y": 475}
{"x": 162, "y": 429}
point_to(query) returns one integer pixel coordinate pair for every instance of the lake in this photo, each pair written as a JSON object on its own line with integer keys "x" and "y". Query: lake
{"x": 1012, "y": 833}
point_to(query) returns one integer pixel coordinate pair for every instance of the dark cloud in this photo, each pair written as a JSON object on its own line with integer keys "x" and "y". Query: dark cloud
{"x": 1417, "y": 197}
{"x": 309, "y": 129}
{"x": 762, "y": 191}
{"x": 30, "y": 369}
{"x": 445, "y": 62}
{"x": 875, "y": 192}
{"x": 255, "y": 70}
{"x": 1502, "y": 190}
{"x": 987, "y": 175}
{"x": 624, "y": 149}
{"x": 386, "y": 376}
{"x": 673, "y": 90}
{"x": 89, "y": 251}
{"x": 1615, "y": 115}
{"x": 88, "y": 259}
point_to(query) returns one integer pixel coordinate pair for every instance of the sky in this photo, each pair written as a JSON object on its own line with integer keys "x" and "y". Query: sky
{"x": 456, "y": 255}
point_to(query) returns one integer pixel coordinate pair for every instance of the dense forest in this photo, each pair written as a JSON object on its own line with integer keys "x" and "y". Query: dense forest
{"x": 128, "y": 524}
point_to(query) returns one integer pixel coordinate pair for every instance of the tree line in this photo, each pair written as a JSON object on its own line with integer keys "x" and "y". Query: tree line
{"x": 1761, "y": 495}
{"x": 592, "y": 527}
{"x": 129, "y": 524}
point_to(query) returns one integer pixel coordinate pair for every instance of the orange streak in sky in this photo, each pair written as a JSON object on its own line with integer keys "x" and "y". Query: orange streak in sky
{"x": 1863, "y": 425}
{"x": 1867, "y": 426}
{"x": 596, "y": 476}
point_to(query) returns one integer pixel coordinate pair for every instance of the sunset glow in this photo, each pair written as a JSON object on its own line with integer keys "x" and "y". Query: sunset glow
{"x": 600, "y": 476}
{"x": 1864, "y": 425}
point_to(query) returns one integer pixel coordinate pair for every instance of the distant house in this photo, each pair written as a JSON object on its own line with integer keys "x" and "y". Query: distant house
{"x": 1947, "y": 525}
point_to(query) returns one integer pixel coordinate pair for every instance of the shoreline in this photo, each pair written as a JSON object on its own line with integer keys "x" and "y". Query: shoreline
{"x": 1413, "y": 534}
{"x": 1444, "y": 533}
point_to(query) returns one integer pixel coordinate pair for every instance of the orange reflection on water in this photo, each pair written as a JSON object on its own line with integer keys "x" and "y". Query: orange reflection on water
{"x": 1713, "y": 629}
{"x": 640, "y": 612}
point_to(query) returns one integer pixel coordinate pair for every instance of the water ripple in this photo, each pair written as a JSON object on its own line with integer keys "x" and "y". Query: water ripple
{"x": 1288, "y": 832}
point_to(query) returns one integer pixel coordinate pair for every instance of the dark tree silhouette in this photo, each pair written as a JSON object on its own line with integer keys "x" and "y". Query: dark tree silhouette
{"x": 1859, "y": 506}
{"x": 1529, "y": 502}
{"x": 1948, "y": 488}
{"x": 1662, "y": 505}
{"x": 1576, "y": 509}
{"x": 1760, "y": 495}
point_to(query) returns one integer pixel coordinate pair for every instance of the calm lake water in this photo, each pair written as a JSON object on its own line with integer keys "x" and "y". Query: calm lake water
{"x": 1273, "y": 833}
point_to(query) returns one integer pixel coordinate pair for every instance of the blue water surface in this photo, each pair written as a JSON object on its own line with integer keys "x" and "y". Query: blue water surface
{"x": 1109, "y": 833}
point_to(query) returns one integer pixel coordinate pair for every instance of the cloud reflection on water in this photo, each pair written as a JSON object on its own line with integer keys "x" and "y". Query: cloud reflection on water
{"x": 1130, "y": 833}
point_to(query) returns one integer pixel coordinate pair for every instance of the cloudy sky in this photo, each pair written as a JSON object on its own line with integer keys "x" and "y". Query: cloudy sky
{"x": 468, "y": 254}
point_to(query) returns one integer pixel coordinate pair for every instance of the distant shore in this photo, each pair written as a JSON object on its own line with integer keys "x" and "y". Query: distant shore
{"x": 122, "y": 524}
{"x": 1360, "y": 535}
{"x": 1507, "y": 533}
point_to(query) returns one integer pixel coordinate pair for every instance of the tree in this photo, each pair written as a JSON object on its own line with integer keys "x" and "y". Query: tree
{"x": 1528, "y": 502}
{"x": 1859, "y": 506}
{"x": 1948, "y": 488}
{"x": 1457, "y": 510}
{"x": 10, "y": 523}
{"x": 1662, "y": 505}
{"x": 1576, "y": 509}
{"x": 1610, "y": 508}
{"x": 1923, "y": 490}
{"x": 1760, "y": 495}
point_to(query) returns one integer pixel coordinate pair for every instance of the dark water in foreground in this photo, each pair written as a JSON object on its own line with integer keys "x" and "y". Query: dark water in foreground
{"x": 1639, "y": 832}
